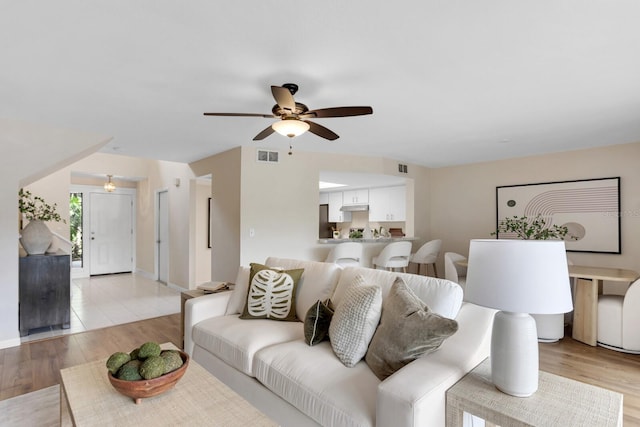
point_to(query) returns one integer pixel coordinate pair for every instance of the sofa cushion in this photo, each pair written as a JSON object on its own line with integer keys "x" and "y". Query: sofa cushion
{"x": 317, "y": 282}
{"x": 317, "y": 321}
{"x": 318, "y": 384}
{"x": 355, "y": 321}
{"x": 236, "y": 341}
{"x": 407, "y": 330}
{"x": 442, "y": 296}
{"x": 272, "y": 293}
{"x": 239, "y": 294}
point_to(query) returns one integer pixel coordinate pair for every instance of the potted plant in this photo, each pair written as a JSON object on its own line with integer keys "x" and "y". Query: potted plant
{"x": 36, "y": 236}
{"x": 527, "y": 228}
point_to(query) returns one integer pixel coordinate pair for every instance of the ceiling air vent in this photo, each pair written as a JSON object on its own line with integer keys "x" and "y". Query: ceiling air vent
{"x": 267, "y": 156}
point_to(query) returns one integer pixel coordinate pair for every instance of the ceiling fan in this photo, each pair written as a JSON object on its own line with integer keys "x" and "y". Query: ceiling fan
{"x": 293, "y": 115}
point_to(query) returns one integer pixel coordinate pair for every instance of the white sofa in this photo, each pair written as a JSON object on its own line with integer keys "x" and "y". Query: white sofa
{"x": 269, "y": 363}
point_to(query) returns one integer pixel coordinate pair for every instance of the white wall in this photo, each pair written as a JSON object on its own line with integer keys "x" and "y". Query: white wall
{"x": 29, "y": 151}
{"x": 284, "y": 201}
{"x": 464, "y": 203}
{"x": 153, "y": 175}
{"x": 200, "y": 215}
{"x": 279, "y": 202}
{"x": 224, "y": 169}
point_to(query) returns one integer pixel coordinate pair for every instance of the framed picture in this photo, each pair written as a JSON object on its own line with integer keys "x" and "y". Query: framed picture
{"x": 589, "y": 208}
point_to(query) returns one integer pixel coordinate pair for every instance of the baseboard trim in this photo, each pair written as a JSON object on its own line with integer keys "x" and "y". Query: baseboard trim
{"x": 14, "y": 342}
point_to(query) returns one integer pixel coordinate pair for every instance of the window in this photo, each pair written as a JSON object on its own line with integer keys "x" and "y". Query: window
{"x": 75, "y": 227}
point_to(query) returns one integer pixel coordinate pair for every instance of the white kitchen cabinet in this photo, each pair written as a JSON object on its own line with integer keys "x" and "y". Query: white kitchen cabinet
{"x": 355, "y": 197}
{"x": 388, "y": 204}
{"x": 324, "y": 199}
{"x": 335, "y": 203}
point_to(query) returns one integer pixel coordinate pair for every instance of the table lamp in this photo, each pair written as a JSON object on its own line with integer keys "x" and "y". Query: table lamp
{"x": 518, "y": 277}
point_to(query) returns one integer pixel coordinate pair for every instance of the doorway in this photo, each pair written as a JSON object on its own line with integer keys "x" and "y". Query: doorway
{"x": 111, "y": 233}
{"x": 102, "y": 231}
{"x": 163, "y": 237}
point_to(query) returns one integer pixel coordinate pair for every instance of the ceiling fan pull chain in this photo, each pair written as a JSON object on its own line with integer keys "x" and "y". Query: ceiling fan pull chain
{"x": 290, "y": 149}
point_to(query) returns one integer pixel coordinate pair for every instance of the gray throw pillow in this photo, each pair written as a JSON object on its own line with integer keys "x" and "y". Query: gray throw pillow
{"x": 354, "y": 321}
{"x": 317, "y": 321}
{"x": 408, "y": 330}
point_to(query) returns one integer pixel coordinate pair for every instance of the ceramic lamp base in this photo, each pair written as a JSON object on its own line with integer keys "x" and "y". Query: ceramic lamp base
{"x": 514, "y": 354}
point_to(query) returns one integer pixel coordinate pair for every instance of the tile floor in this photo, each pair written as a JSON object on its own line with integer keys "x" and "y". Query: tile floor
{"x": 102, "y": 301}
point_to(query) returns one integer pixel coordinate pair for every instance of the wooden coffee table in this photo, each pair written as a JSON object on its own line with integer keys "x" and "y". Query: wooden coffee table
{"x": 88, "y": 399}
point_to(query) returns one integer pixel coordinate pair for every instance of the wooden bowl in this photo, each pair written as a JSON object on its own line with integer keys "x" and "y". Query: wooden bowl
{"x": 140, "y": 389}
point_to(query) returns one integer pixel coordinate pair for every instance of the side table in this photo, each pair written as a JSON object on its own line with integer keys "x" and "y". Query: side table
{"x": 559, "y": 401}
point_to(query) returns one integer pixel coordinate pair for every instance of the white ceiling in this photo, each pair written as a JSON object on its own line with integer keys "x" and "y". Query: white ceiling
{"x": 349, "y": 180}
{"x": 450, "y": 82}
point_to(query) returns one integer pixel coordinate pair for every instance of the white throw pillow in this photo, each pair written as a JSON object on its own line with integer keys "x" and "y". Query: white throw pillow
{"x": 239, "y": 294}
{"x": 355, "y": 321}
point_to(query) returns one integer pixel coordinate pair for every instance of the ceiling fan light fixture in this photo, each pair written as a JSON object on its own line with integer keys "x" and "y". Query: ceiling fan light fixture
{"x": 109, "y": 186}
{"x": 290, "y": 127}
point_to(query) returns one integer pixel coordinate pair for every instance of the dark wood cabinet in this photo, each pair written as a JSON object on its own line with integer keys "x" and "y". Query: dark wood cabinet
{"x": 45, "y": 288}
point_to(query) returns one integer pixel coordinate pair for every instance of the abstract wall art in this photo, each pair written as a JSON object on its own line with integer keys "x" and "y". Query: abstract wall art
{"x": 589, "y": 208}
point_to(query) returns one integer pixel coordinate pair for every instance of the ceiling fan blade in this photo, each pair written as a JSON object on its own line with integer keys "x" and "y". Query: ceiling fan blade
{"x": 337, "y": 112}
{"x": 283, "y": 98}
{"x": 322, "y": 131}
{"x": 265, "y": 133}
{"x": 269, "y": 116}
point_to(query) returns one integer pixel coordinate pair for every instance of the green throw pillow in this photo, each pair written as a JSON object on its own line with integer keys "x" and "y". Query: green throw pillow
{"x": 272, "y": 293}
{"x": 317, "y": 321}
{"x": 407, "y": 330}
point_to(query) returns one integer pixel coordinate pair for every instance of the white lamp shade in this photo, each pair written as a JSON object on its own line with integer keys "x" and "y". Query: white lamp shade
{"x": 519, "y": 276}
{"x": 290, "y": 127}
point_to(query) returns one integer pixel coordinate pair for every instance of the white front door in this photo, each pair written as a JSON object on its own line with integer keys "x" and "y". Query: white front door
{"x": 111, "y": 233}
{"x": 163, "y": 236}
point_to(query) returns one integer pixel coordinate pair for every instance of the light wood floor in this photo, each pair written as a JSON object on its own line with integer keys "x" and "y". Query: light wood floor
{"x": 36, "y": 365}
{"x": 598, "y": 366}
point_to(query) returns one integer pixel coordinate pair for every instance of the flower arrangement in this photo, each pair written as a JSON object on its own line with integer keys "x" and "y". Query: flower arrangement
{"x": 531, "y": 228}
{"x": 35, "y": 208}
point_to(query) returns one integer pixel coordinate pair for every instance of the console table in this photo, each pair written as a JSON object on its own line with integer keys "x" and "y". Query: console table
{"x": 45, "y": 291}
{"x": 588, "y": 286}
{"x": 559, "y": 401}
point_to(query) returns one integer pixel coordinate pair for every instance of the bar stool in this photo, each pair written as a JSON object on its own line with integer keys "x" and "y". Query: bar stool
{"x": 427, "y": 254}
{"x": 346, "y": 254}
{"x": 394, "y": 255}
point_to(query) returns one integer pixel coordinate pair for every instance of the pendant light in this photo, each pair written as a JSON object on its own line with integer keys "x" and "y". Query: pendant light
{"x": 109, "y": 186}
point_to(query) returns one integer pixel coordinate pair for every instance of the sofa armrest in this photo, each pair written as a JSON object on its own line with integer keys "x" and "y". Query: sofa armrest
{"x": 415, "y": 395}
{"x": 198, "y": 309}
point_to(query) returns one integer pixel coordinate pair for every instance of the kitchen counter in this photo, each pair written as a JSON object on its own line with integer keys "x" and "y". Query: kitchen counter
{"x": 370, "y": 247}
{"x": 377, "y": 240}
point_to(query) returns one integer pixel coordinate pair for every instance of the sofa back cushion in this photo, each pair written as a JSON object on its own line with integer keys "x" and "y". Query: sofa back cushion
{"x": 442, "y": 296}
{"x": 239, "y": 295}
{"x": 318, "y": 281}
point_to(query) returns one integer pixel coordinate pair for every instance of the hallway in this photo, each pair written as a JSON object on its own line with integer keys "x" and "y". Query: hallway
{"x": 102, "y": 301}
